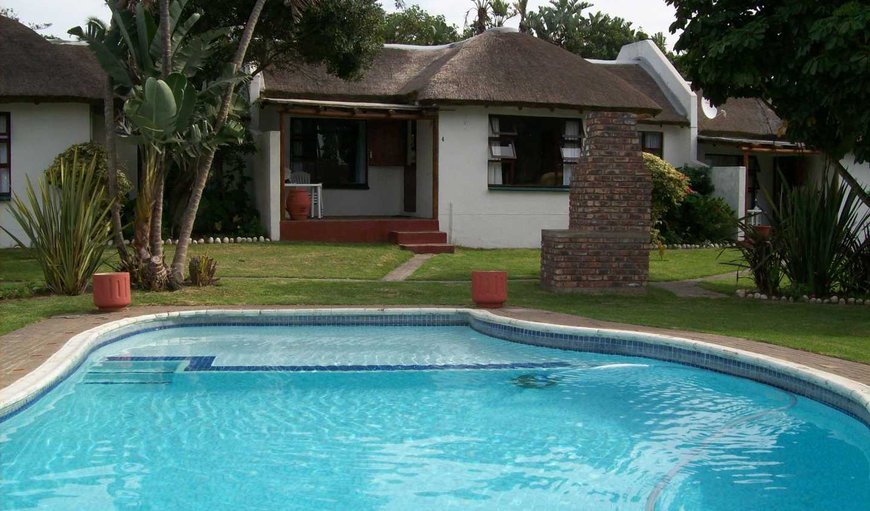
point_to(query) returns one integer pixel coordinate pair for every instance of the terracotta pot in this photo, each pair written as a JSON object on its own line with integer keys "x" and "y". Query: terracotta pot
{"x": 489, "y": 288}
{"x": 763, "y": 230}
{"x": 111, "y": 291}
{"x": 298, "y": 203}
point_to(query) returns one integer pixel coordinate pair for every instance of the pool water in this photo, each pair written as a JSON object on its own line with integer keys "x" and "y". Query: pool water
{"x": 417, "y": 418}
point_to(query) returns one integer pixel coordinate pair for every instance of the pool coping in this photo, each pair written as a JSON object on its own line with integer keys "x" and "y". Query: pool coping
{"x": 847, "y": 395}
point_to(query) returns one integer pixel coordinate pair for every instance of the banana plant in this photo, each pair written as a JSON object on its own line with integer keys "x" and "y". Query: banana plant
{"x": 161, "y": 109}
{"x": 131, "y": 50}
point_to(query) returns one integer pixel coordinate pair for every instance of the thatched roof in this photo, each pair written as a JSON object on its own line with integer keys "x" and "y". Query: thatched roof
{"x": 638, "y": 78}
{"x": 740, "y": 117}
{"x": 495, "y": 68}
{"x": 32, "y": 68}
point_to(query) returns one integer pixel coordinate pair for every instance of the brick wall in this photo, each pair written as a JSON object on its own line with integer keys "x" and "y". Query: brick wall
{"x": 605, "y": 245}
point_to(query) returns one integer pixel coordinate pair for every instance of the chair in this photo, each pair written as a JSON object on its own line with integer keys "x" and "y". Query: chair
{"x": 303, "y": 178}
{"x": 300, "y": 178}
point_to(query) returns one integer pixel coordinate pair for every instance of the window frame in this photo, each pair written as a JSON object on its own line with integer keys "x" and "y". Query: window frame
{"x": 506, "y": 138}
{"x": 7, "y": 167}
{"x": 362, "y": 144}
{"x": 660, "y": 151}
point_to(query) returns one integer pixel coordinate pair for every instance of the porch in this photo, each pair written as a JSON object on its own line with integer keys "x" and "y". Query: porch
{"x": 419, "y": 235}
{"x": 372, "y": 168}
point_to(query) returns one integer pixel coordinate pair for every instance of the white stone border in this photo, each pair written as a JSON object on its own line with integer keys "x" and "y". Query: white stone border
{"x": 63, "y": 362}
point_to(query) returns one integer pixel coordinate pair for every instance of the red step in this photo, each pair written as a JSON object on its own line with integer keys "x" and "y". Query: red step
{"x": 418, "y": 237}
{"x": 428, "y": 248}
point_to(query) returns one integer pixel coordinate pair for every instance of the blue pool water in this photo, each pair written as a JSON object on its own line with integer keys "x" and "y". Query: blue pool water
{"x": 417, "y": 418}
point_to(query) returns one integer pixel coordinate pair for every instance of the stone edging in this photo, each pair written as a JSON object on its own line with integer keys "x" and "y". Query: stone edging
{"x": 833, "y": 300}
{"x": 847, "y": 395}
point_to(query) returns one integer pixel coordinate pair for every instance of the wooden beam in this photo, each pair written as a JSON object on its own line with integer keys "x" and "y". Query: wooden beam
{"x": 357, "y": 113}
{"x": 777, "y": 150}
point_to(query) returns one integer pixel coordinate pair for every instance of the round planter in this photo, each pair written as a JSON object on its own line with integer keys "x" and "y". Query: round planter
{"x": 111, "y": 291}
{"x": 763, "y": 231}
{"x": 489, "y": 289}
{"x": 298, "y": 203}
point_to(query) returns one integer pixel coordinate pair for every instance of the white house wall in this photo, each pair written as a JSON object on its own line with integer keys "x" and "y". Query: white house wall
{"x": 678, "y": 149}
{"x": 39, "y": 133}
{"x": 382, "y": 198}
{"x": 424, "y": 169}
{"x": 266, "y": 178}
{"x": 470, "y": 213}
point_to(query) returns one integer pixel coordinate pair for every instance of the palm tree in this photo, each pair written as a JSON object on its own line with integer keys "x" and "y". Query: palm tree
{"x": 521, "y": 9}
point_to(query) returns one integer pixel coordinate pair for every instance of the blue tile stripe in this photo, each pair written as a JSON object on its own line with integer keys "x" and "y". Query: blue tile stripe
{"x": 651, "y": 349}
{"x": 206, "y": 364}
{"x": 612, "y": 345}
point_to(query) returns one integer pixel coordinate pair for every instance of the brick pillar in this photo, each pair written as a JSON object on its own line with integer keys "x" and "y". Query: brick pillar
{"x": 606, "y": 244}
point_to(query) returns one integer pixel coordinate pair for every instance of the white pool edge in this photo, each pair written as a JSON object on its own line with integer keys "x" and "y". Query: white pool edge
{"x": 63, "y": 362}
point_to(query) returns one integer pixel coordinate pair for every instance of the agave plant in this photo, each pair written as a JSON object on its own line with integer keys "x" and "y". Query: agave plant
{"x": 817, "y": 228}
{"x": 67, "y": 225}
{"x": 760, "y": 256}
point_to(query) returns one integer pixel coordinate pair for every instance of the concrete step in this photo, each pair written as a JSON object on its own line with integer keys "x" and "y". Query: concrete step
{"x": 418, "y": 237}
{"x": 428, "y": 248}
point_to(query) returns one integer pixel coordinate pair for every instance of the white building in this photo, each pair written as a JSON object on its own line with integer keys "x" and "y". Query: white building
{"x": 50, "y": 98}
{"x": 742, "y": 141}
{"x": 470, "y": 143}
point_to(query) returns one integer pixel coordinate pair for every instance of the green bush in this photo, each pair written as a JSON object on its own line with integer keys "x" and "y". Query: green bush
{"x": 67, "y": 225}
{"x": 669, "y": 188}
{"x": 227, "y": 206}
{"x": 90, "y": 152}
{"x": 700, "y": 217}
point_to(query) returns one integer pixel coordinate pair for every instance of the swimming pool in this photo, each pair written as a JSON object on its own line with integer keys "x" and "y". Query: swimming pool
{"x": 351, "y": 410}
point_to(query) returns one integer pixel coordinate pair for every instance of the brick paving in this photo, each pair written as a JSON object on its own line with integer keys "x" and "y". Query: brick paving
{"x": 25, "y": 349}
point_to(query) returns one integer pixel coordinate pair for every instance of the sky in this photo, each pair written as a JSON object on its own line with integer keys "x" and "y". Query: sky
{"x": 650, "y": 15}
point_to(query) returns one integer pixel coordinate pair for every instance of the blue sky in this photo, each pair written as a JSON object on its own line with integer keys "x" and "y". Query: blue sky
{"x": 651, "y": 15}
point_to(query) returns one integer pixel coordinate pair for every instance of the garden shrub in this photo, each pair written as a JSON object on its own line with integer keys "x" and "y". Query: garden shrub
{"x": 817, "y": 228}
{"x": 761, "y": 256}
{"x": 226, "y": 206}
{"x": 701, "y": 217}
{"x": 90, "y": 152}
{"x": 669, "y": 188}
{"x": 67, "y": 224}
{"x": 202, "y": 270}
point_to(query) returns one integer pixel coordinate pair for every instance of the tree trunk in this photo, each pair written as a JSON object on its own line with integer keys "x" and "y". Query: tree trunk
{"x": 204, "y": 165}
{"x": 156, "y": 231}
{"x": 112, "y": 164}
{"x": 156, "y": 234}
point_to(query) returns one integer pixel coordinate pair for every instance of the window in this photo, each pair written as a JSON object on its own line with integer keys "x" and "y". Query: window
{"x": 5, "y": 156}
{"x": 652, "y": 142}
{"x": 532, "y": 152}
{"x": 330, "y": 151}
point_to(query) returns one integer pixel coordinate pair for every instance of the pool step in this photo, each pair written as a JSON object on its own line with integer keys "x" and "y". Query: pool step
{"x": 119, "y": 372}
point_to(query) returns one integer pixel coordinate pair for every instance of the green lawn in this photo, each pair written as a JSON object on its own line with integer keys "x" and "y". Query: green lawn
{"x": 838, "y": 331}
{"x": 299, "y": 260}
{"x": 525, "y": 264}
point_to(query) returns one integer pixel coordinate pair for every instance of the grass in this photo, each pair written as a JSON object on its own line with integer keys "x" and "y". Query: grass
{"x": 299, "y": 260}
{"x": 525, "y": 264}
{"x": 247, "y": 279}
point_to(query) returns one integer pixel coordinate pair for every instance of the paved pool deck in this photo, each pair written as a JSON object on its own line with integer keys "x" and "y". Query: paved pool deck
{"x": 25, "y": 349}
